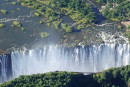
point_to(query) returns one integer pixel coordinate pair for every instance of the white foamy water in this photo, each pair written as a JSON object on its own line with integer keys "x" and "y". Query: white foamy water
{"x": 52, "y": 58}
{"x": 75, "y": 59}
{"x": 21, "y": 17}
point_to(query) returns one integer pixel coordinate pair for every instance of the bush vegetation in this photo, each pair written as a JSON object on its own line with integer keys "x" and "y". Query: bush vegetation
{"x": 13, "y": 3}
{"x": 41, "y": 22}
{"x": 18, "y": 9}
{"x": 3, "y": 11}
{"x": 2, "y": 25}
{"x": 78, "y": 10}
{"x": 44, "y": 34}
{"x": 81, "y": 26}
{"x": 22, "y": 29}
{"x": 118, "y": 12}
{"x": 114, "y": 77}
{"x": 67, "y": 28}
{"x": 37, "y": 14}
{"x": 57, "y": 23}
{"x": 16, "y": 24}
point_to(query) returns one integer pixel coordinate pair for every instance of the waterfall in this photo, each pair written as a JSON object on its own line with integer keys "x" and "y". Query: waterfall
{"x": 76, "y": 59}
{"x": 79, "y": 59}
{"x": 5, "y": 68}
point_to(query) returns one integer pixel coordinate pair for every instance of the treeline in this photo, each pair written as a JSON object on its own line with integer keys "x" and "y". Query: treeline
{"x": 114, "y": 77}
{"x": 77, "y": 6}
{"x": 52, "y": 79}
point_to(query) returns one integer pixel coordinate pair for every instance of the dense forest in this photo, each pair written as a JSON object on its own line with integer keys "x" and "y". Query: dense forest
{"x": 114, "y": 77}
{"x": 118, "y": 12}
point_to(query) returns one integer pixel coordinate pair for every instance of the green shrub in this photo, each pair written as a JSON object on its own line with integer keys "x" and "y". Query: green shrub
{"x": 16, "y": 24}
{"x": 3, "y": 11}
{"x": 119, "y": 26}
{"x": 13, "y": 3}
{"x": 57, "y": 23}
{"x": 22, "y": 29}
{"x": 18, "y": 9}
{"x": 22, "y": 4}
{"x": 48, "y": 24}
{"x": 37, "y": 14}
{"x": 41, "y": 22}
{"x": 2, "y": 25}
{"x": 67, "y": 28}
{"x": 81, "y": 26}
{"x": 44, "y": 34}
{"x": 36, "y": 6}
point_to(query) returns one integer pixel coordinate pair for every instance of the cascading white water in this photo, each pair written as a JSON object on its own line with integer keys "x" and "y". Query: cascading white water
{"x": 3, "y": 64}
{"x": 94, "y": 58}
{"x": 5, "y": 68}
{"x": 80, "y": 59}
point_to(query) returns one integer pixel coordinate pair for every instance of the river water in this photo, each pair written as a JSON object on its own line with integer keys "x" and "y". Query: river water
{"x": 45, "y": 57}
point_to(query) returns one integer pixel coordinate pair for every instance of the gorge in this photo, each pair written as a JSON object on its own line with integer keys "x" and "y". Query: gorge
{"x": 54, "y": 58}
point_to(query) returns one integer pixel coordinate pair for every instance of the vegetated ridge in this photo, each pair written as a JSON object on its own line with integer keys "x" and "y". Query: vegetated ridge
{"x": 114, "y": 77}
